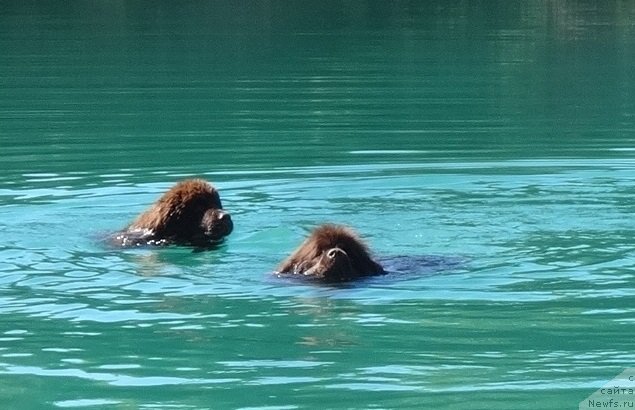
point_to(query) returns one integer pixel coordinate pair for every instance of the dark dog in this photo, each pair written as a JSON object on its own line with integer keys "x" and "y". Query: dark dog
{"x": 190, "y": 213}
{"x": 332, "y": 253}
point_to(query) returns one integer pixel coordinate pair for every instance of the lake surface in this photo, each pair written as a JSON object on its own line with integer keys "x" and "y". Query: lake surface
{"x": 500, "y": 134}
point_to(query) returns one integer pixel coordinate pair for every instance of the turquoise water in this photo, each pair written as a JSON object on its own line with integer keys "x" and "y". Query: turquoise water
{"x": 501, "y": 134}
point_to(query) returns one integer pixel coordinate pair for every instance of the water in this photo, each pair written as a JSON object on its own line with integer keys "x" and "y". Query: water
{"x": 498, "y": 133}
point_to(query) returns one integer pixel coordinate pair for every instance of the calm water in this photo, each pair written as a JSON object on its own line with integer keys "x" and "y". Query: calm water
{"x": 499, "y": 133}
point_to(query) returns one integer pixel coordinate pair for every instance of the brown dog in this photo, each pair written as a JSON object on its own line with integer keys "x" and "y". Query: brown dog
{"x": 332, "y": 253}
{"x": 190, "y": 213}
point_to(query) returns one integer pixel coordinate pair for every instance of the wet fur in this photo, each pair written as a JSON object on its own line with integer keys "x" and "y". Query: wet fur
{"x": 350, "y": 259}
{"x": 190, "y": 213}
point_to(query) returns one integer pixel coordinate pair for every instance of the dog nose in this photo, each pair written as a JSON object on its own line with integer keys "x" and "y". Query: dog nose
{"x": 334, "y": 252}
{"x": 227, "y": 222}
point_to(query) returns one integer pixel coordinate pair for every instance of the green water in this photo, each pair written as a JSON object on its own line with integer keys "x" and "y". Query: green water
{"x": 498, "y": 133}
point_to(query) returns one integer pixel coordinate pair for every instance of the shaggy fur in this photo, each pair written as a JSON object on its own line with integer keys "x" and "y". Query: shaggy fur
{"x": 190, "y": 213}
{"x": 332, "y": 253}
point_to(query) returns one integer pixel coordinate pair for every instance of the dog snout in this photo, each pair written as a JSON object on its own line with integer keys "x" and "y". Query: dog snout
{"x": 335, "y": 252}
